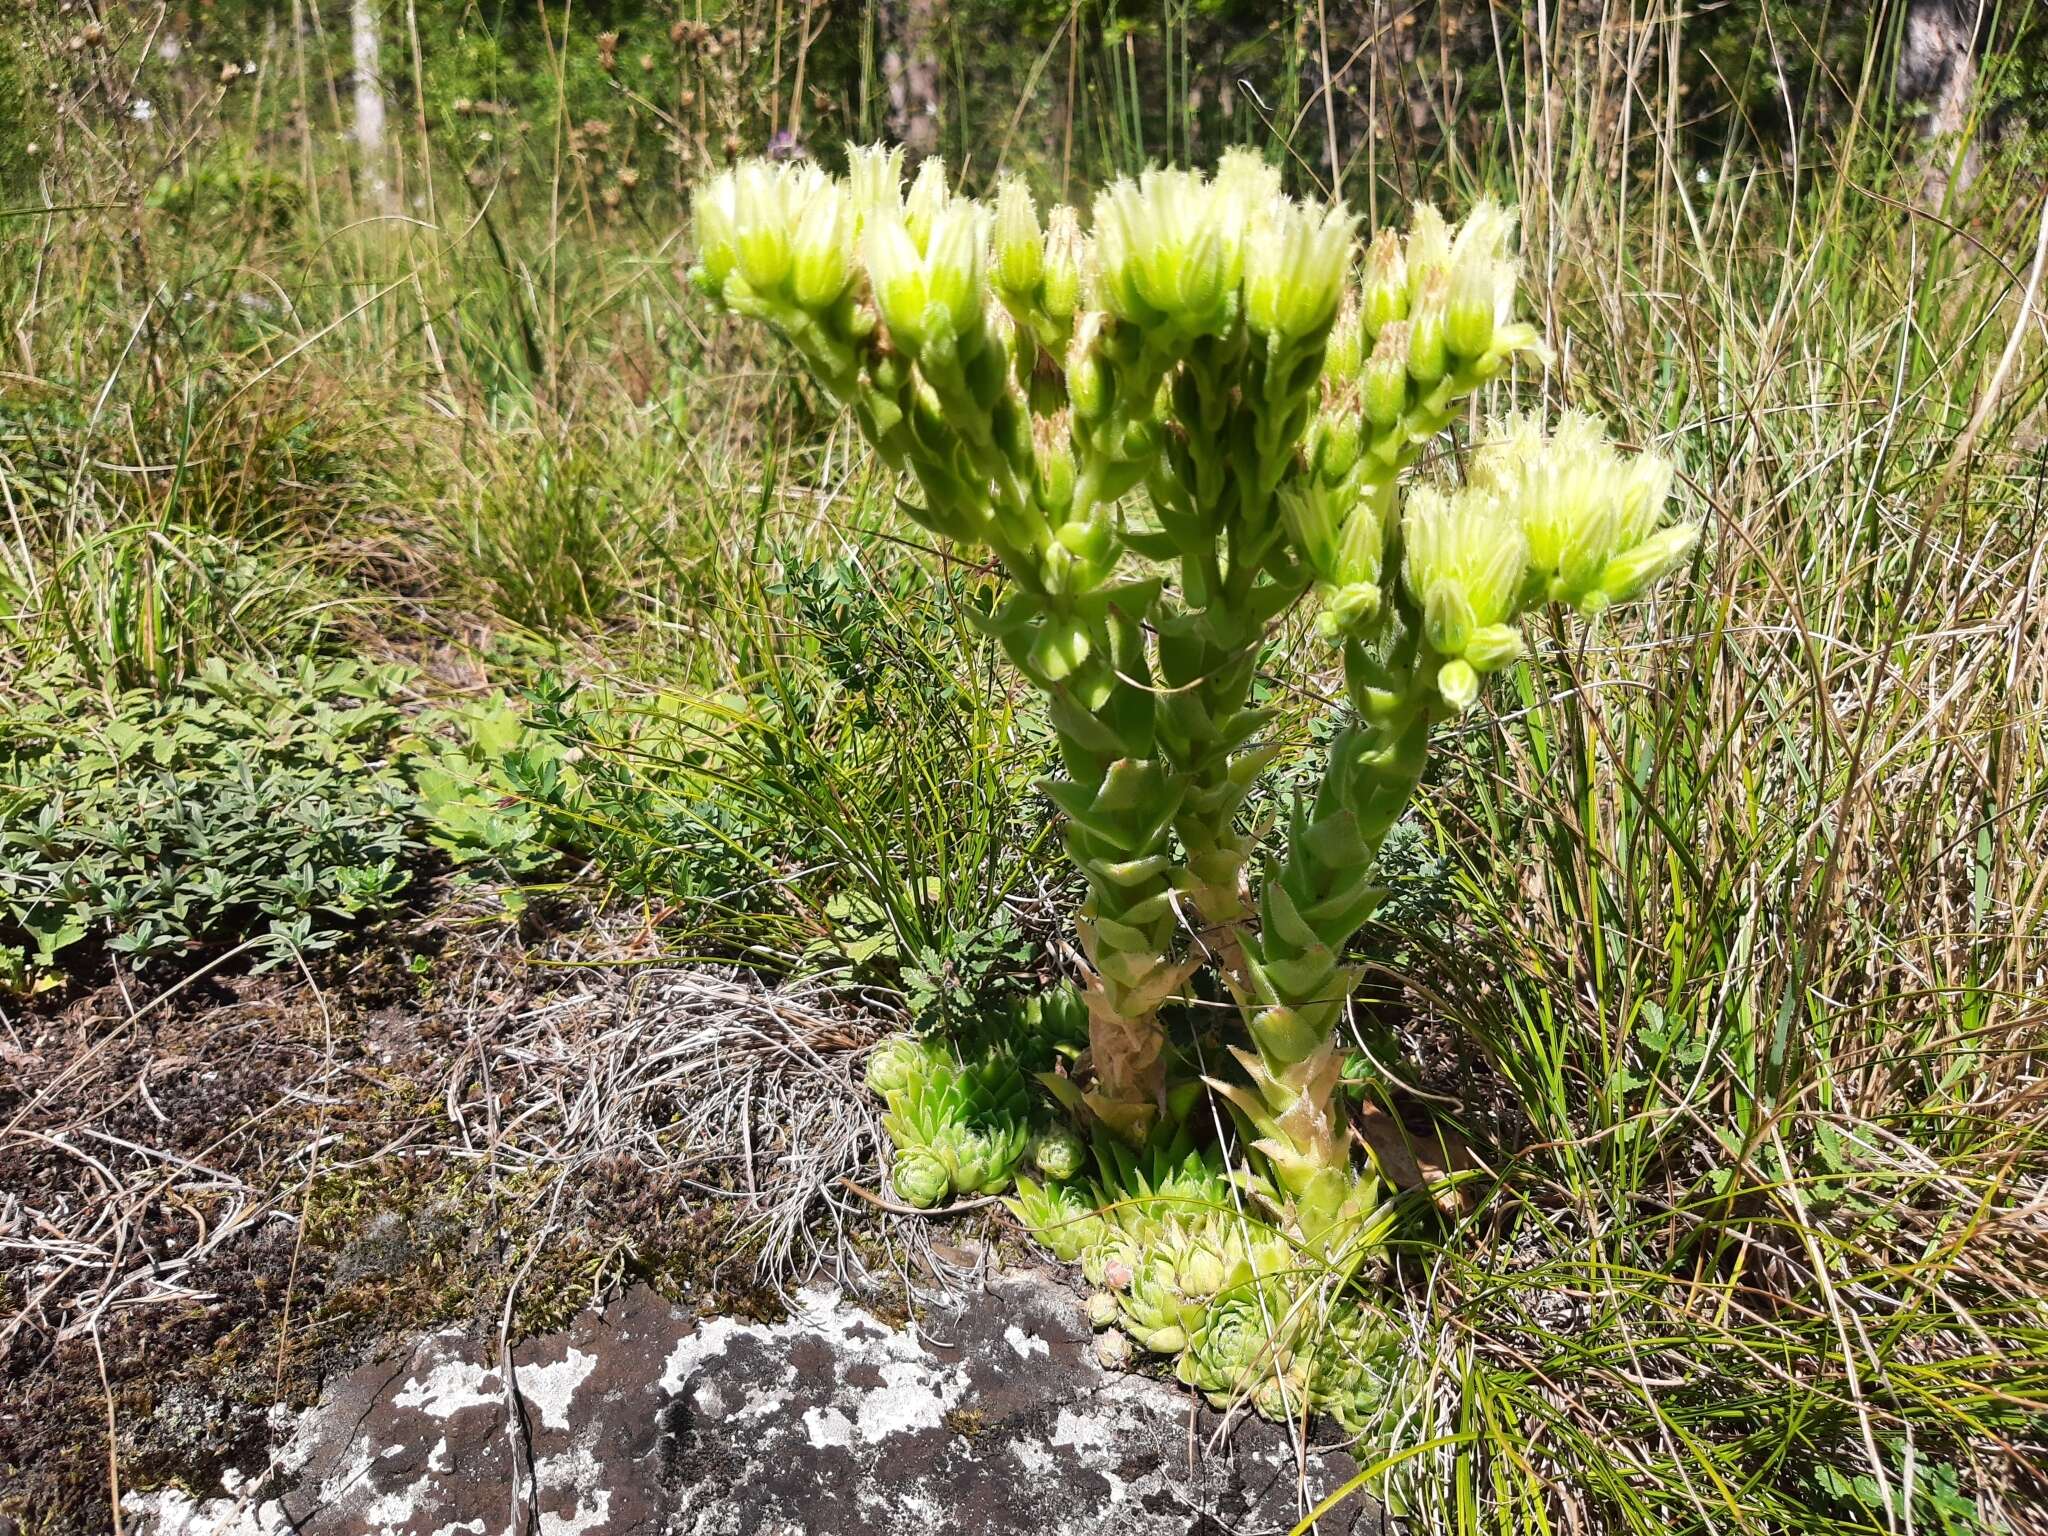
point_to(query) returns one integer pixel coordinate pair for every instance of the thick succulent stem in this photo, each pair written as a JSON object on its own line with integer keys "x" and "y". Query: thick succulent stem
{"x": 1238, "y": 407}
{"x": 1310, "y": 906}
{"x": 1127, "y": 931}
{"x": 1120, "y": 798}
{"x": 1203, "y": 341}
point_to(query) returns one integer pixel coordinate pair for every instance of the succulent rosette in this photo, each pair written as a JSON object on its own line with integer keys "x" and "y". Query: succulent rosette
{"x": 964, "y": 1127}
{"x": 1059, "y": 1154}
{"x": 1061, "y": 1218}
{"x": 1248, "y": 1336}
{"x": 1156, "y": 1312}
{"x": 922, "y": 1177}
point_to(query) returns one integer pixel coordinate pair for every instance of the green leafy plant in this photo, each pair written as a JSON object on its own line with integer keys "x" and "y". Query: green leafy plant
{"x": 243, "y": 802}
{"x": 1169, "y": 432}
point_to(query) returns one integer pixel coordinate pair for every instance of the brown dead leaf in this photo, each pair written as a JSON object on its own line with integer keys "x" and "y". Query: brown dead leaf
{"x": 1418, "y": 1159}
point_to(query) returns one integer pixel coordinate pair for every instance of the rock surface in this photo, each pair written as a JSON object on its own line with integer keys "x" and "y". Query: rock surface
{"x": 645, "y": 1420}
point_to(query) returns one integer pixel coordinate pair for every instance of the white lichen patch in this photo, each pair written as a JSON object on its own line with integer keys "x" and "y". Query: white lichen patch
{"x": 1034, "y": 1458}
{"x": 1025, "y": 1344}
{"x": 550, "y": 1389}
{"x": 828, "y": 1420}
{"x": 912, "y": 1396}
{"x": 173, "y": 1512}
{"x": 451, "y": 1386}
{"x": 1083, "y": 1432}
{"x": 828, "y": 1427}
{"x": 591, "y": 1515}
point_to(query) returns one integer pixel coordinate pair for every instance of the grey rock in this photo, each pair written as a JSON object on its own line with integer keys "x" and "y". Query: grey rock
{"x": 646, "y": 1420}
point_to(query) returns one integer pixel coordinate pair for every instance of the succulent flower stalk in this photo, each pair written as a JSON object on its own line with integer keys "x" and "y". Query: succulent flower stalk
{"x": 1169, "y": 429}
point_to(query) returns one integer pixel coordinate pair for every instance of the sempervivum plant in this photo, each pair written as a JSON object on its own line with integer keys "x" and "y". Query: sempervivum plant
{"x": 959, "y": 1127}
{"x": 1171, "y": 424}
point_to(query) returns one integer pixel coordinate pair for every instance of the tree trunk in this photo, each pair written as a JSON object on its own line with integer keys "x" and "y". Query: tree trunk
{"x": 1938, "y": 72}
{"x": 367, "y": 46}
{"x": 910, "y": 70}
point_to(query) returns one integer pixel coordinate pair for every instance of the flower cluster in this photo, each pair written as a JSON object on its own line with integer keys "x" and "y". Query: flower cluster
{"x": 1171, "y": 422}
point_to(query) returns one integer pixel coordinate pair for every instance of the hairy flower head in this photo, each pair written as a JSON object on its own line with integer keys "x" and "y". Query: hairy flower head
{"x": 1384, "y": 297}
{"x": 1019, "y": 243}
{"x": 1591, "y": 516}
{"x": 1465, "y": 559}
{"x": 1167, "y": 249}
{"x": 1428, "y": 249}
{"x": 923, "y": 287}
{"x": 1295, "y": 263}
{"x": 874, "y": 177}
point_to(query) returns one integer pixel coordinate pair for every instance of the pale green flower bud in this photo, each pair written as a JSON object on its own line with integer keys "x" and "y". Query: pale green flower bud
{"x": 824, "y": 248}
{"x": 1194, "y": 273}
{"x": 1052, "y": 453}
{"x": 714, "y": 209}
{"x": 875, "y": 177}
{"x": 1384, "y": 298}
{"x": 1591, "y": 537}
{"x": 1428, "y": 251}
{"x": 1115, "y": 261}
{"x": 1344, "y": 353}
{"x": 921, "y": 1177}
{"x": 1348, "y": 610}
{"x": 1103, "y": 1310}
{"x": 1465, "y": 559}
{"x": 1361, "y": 546}
{"x": 763, "y": 243}
{"x": 1459, "y": 685}
{"x": 1428, "y": 350}
{"x": 1447, "y": 617}
{"x": 1634, "y": 570}
{"x": 896, "y": 274}
{"x": 1335, "y": 439}
{"x": 1245, "y": 183}
{"x": 929, "y": 196}
{"x": 1553, "y": 484}
{"x": 1483, "y": 238}
{"x": 1019, "y": 244}
{"x": 1294, "y": 269}
{"x": 1645, "y": 487}
{"x": 1087, "y": 380}
{"x": 1493, "y": 646}
{"x": 1065, "y": 259}
{"x": 1113, "y": 1351}
{"x": 1265, "y": 278}
{"x": 1472, "y": 308}
{"x": 1312, "y": 527}
{"x": 1001, "y": 331}
{"x": 1383, "y": 386}
{"x": 953, "y": 260}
